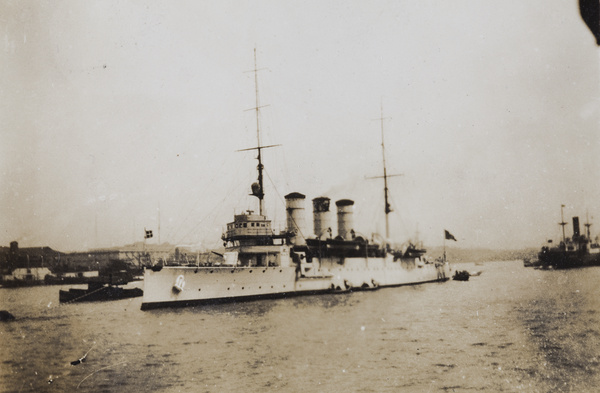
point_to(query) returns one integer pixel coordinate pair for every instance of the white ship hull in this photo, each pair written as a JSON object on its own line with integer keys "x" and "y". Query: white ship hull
{"x": 185, "y": 286}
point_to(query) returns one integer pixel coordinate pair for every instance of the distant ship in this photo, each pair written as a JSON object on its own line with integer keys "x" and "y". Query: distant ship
{"x": 107, "y": 286}
{"x": 577, "y": 251}
{"x": 97, "y": 291}
{"x": 262, "y": 263}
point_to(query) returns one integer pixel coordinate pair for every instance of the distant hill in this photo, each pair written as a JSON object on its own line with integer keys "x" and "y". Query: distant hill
{"x": 481, "y": 254}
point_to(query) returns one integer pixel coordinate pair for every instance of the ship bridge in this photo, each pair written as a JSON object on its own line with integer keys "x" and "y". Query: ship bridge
{"x": 249, "y": 229}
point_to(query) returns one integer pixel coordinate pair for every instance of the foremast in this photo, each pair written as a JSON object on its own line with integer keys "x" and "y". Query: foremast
{"x": 248, "y": 229}
{"x": 562, "y": 223}
{"x": 258, "y": 187}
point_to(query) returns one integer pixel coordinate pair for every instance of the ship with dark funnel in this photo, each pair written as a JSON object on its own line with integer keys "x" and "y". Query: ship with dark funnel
{"x": 577, "y": 251}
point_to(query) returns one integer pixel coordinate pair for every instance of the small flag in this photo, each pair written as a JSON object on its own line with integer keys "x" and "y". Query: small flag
{"x": 449, "y": 236}
{"x": 148, "y": 234}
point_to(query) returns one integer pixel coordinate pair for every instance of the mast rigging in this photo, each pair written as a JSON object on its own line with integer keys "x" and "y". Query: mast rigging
{"x": 387, "y": 207}
{"x": 258, "y": 188}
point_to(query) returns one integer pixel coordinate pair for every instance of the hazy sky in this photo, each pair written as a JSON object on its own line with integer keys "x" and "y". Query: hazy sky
{"x": 113, "y": 114}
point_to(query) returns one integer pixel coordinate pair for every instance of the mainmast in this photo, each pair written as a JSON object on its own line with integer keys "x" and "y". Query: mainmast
{"x": 387, "y": 207}
{"x": 588, "y": 225}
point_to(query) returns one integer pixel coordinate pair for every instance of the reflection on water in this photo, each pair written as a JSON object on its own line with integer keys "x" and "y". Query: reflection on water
{"x": 563, "y": 322}
{"x": 510, "y": 329}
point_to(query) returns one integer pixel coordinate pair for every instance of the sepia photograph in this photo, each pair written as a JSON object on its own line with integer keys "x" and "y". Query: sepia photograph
{"x": 300, "y": 196}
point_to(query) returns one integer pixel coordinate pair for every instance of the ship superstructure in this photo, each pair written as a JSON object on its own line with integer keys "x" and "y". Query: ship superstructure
{"x": 261, "y": 263}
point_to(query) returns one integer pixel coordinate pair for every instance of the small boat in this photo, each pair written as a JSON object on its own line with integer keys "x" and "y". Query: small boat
{"x": 108, "y": 286}
{"x": 461, "y": 275}
{"x": 6, "y": 316}
{"x": 98, "y": 291}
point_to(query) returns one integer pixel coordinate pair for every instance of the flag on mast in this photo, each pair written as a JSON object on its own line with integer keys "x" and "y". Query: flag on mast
{"x": 449, "y": 236}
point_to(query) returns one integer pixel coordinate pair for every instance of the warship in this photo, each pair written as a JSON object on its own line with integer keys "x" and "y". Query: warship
{"x": 578, "y": 251}
{"x": 260, "y": 262}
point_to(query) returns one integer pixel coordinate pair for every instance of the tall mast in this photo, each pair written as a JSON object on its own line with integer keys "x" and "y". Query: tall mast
{"x": 562, "y": 222}
{"x": 257, "y": 188}
{"x": 588, "y": 225}
{"x": 388, "y": 209}
{"x": 260, "y": 195}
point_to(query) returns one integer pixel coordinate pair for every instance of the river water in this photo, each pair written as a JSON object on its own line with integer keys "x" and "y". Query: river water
{"x": 511, "y": 329}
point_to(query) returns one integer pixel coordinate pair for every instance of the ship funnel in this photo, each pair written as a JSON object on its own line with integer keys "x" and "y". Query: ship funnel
{"x": 345, "y": 218}
{"x": 13, "y": 255}
{"x": 575, "y": 227}
{"x": 322, "y": 218}
{"x": 296, "y": 224}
